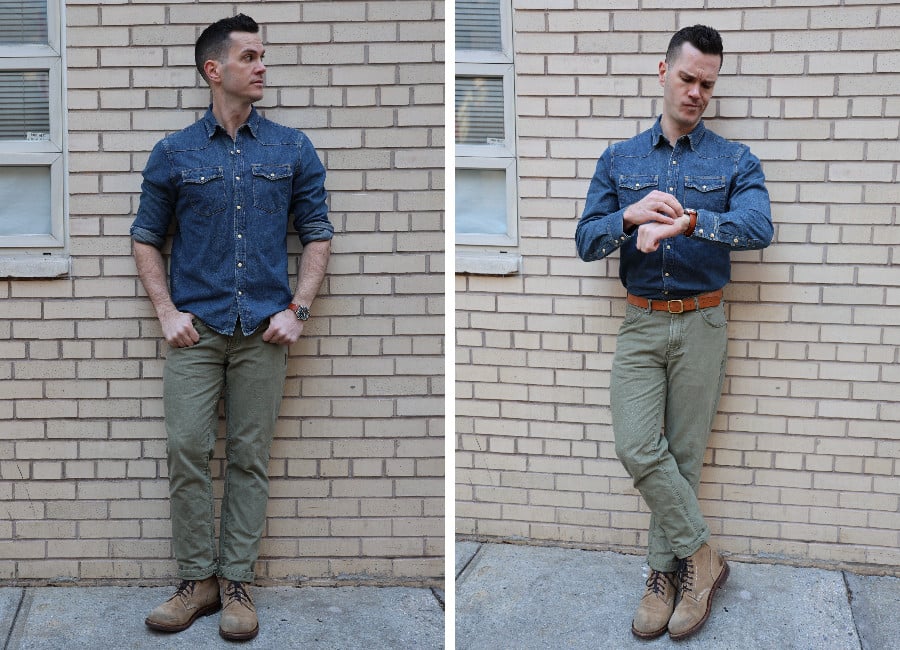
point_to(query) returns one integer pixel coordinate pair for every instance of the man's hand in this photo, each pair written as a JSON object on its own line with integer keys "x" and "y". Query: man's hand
{"x": 655, "y": 207}
{"x": 651, "y": 234}
{"x": 284, "y": 328}
{"x": 178, "y": 328}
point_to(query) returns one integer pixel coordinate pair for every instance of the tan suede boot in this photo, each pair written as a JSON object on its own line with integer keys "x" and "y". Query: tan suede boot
{"x": 238, "y": 622}
{"x": 656, "y": 606}
{"x": 700, "y": 575}
{"x": 192, "y": 599}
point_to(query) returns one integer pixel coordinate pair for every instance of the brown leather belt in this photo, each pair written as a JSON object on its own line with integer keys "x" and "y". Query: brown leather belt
{"x": 679, "y": 306}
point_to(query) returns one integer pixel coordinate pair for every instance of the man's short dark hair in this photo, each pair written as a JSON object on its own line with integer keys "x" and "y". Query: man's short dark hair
{"x": 215, "y": 39}
{"x": 706, "y": 39}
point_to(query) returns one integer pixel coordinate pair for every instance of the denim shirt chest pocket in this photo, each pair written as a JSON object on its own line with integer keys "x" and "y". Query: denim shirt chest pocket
{"x": 707, "y": 192}
{"x": 634, "y": 187}
{"x": 205, "y": 189}
{"x": 271, "y": 187}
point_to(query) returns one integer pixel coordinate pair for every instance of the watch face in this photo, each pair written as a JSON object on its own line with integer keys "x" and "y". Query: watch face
{"x": 302, "y": 313}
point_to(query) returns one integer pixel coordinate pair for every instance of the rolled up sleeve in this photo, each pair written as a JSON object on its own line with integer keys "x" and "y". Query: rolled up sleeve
{"x": 309, "y": 207}
{"x": 157, "y": 202}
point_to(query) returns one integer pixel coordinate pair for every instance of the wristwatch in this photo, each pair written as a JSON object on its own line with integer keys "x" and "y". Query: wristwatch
{"x": 301, "y": 311}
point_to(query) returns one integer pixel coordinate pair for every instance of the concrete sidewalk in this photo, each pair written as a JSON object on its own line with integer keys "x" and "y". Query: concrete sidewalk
{"x": 51, "y": 618}
{"x": 526, "y": 597}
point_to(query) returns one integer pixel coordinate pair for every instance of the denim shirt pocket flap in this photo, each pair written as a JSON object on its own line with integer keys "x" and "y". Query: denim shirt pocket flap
{"x": 272, "y": 172}
{"x": 705, "y": 183}
{"x": 638, "y": 181}
{"x": 201, "y": 175}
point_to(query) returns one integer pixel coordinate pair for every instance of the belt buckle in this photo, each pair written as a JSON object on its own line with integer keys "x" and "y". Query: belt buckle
{"x": 680, "y": 304}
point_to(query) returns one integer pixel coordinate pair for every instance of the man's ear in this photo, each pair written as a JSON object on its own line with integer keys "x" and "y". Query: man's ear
{"x": 662, "y": 73}
{"x": 211, "y": 68}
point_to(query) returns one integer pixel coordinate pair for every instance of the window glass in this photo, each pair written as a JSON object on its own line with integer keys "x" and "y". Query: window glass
{"x": 478, "y": 25}
{"x": 479, "y": 110}
{"x": 23, "y": 22}
{"x": 481, "y": 201}
{"x": 24, "y": 105}
{"x": 25, "y": 209}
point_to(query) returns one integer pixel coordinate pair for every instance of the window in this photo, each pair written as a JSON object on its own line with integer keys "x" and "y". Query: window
{"x": 32, "y": 140}
{"x": 486, "y": 212}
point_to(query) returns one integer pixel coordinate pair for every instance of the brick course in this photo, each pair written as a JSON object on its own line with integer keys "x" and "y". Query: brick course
{"x": 802, "y": 465}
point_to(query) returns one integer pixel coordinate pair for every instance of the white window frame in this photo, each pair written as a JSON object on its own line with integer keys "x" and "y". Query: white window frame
{"x": 41, "y": 255}
{"x": 497, "y": 64}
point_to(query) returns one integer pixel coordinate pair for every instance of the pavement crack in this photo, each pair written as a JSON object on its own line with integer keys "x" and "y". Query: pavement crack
{"x": 471, "y": 559}
{"x": 15, "y": 619}
{"x": 438, "y": 596}
{"x": 849, "y": 591}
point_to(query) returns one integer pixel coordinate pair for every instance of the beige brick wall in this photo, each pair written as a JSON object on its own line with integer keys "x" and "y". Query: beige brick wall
{"x": 804, "y": 459}
{"x": 357, "y": 464}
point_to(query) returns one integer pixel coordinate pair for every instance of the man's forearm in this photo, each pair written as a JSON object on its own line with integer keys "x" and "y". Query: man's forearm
{"x": 313, "y": 263}
{"x": 152, "y": 270}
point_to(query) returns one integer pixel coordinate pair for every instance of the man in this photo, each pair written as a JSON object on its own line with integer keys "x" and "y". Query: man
{"x": 228, "y": 184}
{"x": 674, "y": 201}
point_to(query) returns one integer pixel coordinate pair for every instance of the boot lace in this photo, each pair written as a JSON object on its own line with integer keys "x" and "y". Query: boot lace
{"x": 185, "y": 590}
{"x": 655, "y": 581}
{"x": 686, "y": 574}
{"x": 236, "y": 592}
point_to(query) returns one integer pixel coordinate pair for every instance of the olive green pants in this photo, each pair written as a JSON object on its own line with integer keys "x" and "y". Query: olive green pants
{"x": 666, "y": 382}
{"x": 249, "y": 375}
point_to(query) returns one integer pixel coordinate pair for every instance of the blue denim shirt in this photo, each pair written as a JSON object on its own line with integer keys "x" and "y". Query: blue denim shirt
{"x": 230, "y": 201}
{"x": 720, "y": 179}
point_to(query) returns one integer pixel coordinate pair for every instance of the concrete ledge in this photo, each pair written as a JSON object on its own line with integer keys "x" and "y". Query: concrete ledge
{"x": 486, "y": 263}
{"x": 35, "y": 266}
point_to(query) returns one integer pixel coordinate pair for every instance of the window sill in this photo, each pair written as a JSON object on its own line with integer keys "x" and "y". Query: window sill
{"x": 488, "y": 263}
{"x": 32, "y": 266}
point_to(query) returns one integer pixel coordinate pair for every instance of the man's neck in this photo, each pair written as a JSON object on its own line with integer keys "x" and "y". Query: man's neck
{"x": 672, "y": 131}
{"x": 231, "y": 117}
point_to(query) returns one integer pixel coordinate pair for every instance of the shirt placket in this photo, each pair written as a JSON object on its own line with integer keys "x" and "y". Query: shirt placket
{"x": 240, "y": 222}
{"x": 673, "y": 187}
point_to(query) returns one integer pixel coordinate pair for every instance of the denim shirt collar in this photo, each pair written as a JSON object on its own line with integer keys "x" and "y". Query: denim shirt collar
{"x": 210, "y": 123}
{"x": 694, "y": 138}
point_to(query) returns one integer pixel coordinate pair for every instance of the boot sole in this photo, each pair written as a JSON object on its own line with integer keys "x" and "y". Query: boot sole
{"x": 646, "y": 636}
{"x": 203, "y": 611}
{"x": 239, "y": 636}
{"x": 723, "y": 576}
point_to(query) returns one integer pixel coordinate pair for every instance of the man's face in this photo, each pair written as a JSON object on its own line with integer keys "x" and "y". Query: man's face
{"x": 242, "y": 72}
{"x": 688, "y": 83}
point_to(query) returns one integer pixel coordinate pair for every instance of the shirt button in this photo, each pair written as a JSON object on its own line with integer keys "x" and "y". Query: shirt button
{"x": 240, "y": 265}
{"x": 712, "y": 235}
{"x": 238, "y": 151}
{"x": 237, "y": 178}
{"x": 239, "y": 207}
{"x": 240, "y": 293}
{"x": 704, "y": 187}
{"x": 667, "y": 275}
{"x": 671, "y": 189}
{"x": 240, "y": 236}
{"x": 674, "y": 162}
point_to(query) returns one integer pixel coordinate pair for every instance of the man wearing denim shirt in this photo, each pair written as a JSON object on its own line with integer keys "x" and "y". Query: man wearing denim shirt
{"x": 674, "y": 201}
{"x": 228, "y": 185}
